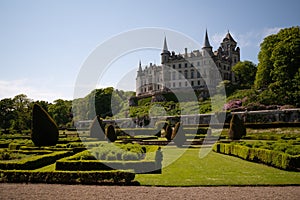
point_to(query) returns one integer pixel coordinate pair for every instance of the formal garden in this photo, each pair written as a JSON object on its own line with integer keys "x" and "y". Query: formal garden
{"x": 166, "y": 155}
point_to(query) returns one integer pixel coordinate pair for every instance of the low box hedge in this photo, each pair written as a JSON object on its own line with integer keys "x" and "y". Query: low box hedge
{"x": 66, "y": 177}
{"x": 33, "y": 162}
{"x": 140, "y": 131}
{"x": 273, "y": 158}
{"x": 151, "y": 163}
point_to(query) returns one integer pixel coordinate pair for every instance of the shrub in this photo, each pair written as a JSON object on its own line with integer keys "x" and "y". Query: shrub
{"x": 168, "y": 132}
{"x": 96, "y": 129}
{"x": 237, "y": 129}
{"x": 44, "y": 129}
{"x": 67, "y": 177}
{"x": 110, "y": 133}
{"x": 178, "y": 135}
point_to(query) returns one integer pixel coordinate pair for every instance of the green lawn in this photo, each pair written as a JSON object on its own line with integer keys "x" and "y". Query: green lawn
{"x": 214, "y": 169}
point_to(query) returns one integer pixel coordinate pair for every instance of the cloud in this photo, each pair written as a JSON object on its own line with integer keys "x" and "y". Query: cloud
{"x": 9, "y": 89}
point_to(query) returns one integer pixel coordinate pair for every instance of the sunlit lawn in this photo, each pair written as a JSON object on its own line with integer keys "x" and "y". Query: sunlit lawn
{"x": 215, "y": 169}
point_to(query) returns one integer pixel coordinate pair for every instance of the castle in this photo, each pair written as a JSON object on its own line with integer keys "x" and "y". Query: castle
{"x": 189, "y": 70}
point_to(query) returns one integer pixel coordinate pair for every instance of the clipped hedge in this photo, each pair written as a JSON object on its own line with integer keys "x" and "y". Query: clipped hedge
{"x": 44, "y": 129}
{"x": 151, "y": 163}
{"x": 65, "y": 177}
{"x": 269, "y": 157}
{"x": 34, "y": 162}
{"x": 140, "y": 131}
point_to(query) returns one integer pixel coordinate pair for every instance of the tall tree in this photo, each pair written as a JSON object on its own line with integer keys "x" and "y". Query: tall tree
{"x": 278, "y": 68}
{"x": 60, "y": 111}
{"x": 22, "y": 107}
{"x": 245, "y": 71}
{"x": 7, "y": 113}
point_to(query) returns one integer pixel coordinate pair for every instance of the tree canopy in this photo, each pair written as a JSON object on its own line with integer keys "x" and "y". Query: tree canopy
{"x": 278, "y": 71}
{"x": 245, "y": 72}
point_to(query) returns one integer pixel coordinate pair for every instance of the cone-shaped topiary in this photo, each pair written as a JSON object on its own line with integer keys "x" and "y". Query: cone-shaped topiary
{"x": 178, "y": 135}
{"x": 168, "y": 131}
{"x": 237, "y": 128}
{"x": 44, "y": 130}
{"x": 110, "y": 133}
{"x": 97, "y": 129}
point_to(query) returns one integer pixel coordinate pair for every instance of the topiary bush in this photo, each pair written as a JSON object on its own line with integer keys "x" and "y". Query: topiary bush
{"x": 44, "y": 130}
{"x": 96, "y": 129}
{"x": 110, "y": 133}
{"x": 178, "y": 135}
{"x": 237, "y": 129}
{"x": 168, "y": 132}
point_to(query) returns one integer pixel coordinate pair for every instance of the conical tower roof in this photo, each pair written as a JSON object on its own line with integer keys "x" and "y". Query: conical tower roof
{"x": 206, "y": 41}
{"x": 165, "y": 47}
{"x": 229, "y": 37}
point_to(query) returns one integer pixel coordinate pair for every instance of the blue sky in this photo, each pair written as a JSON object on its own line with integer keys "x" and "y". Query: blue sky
{"x": 44, "y": 44}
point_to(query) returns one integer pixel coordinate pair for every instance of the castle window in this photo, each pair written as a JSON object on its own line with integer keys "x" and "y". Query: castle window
{"x": 185, "y": 74}
{"x": 192, "y": 73}
{"x": 192, "y": 83}
{"x": 179, "y": 65}
{"x": 173, "y": 66}
{"x": 199, "y": 83}
{"x": 198, "y": 63}
{"x": 179, "y": 74}
{"x": 179, "y": 84}
{"x": 198, "y": 74}
{"x": 173, "y": 76}
{"x": 185, "y": 65}
{"x": 158, "y": 87}
{"x": 192, "y": 64}
{"x": 174, "y": 85}
{"x": 186, "y": 84}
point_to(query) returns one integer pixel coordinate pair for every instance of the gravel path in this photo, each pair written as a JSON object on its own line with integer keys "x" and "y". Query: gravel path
{"x": 56, "y": 191}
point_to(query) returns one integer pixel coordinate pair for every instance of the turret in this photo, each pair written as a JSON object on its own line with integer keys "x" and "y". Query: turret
{"x": 165, "y": 53}
{"x": 207, "y": 48}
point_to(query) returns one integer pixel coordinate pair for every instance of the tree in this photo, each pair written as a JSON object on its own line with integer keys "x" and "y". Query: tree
{"x": 278, "y": 68}
{"x": 245, "y": 72}
{"x": 237, "y": 129}
{"x": 7, "y": 113}
{"x": 22, "y": 108}
{"x": 60, "y": 111}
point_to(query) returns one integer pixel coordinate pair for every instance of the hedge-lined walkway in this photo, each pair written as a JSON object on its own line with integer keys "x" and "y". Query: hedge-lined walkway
{"x": 51, "y": 191}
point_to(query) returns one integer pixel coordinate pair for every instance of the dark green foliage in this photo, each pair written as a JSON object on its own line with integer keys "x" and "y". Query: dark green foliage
{"x": 278, "y": 71}
{"x": 168, "y": 132}
{"x": 110, "y": 133}
{"x": 96, "y": 129}
{"x": 142, "y": 159}
{"x": 60, "y": 111}
{"x": 109, "y": 177}
{"x": 266, "y": 156}
{"x": 7, "y": 114}
{"x": 178, "y": 135}
{"x": 34, "y": 162}
{"x": 44, "y": 129}
{"x": 237, "y": 129}
{"x": 245, "y": 72}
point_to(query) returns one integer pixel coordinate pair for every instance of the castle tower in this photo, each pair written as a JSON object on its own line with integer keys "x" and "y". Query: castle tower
{"x": 207, "y": 48}
{"x": 229, "y": 47}
{"x": 165, "y": 54}
{"x": 139, "y": 77}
